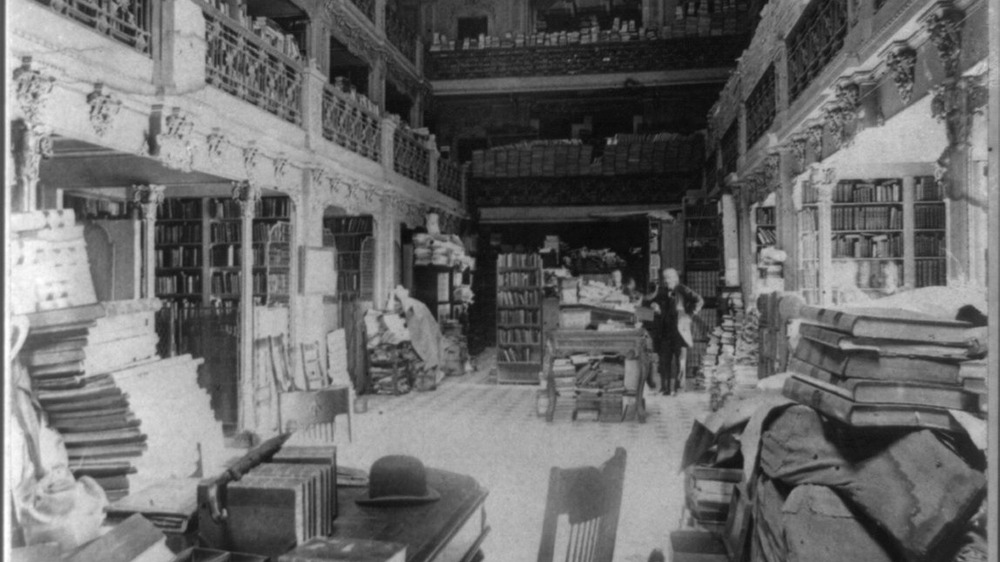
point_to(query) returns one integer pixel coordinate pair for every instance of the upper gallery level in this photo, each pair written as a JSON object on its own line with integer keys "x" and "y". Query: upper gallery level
{"x": 487, "y": 46}
{"x": 306, "y": 83}
{"x": 818, "y": 72}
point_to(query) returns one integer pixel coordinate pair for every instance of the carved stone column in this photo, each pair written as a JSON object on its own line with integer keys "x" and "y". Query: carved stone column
{"x": 31, "y": 139}
{"x": 148, "y": 198}
{"x": 312, "y": 103}
{"x": 389, "y": 125}
{"x": 825, "y": 179}
{"x": 247, "y": 195}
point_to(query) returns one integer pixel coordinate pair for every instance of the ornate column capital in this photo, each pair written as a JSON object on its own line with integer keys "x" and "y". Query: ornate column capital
{"x": 247, "y": 195}
{"x": 771, "y": 164}
{"x": 842, "y": 111}
{"x": 148, "y": 197}
{"x": 943, "y": 22}
{"x": 901, "y": 62}
{"x": 104, "y": 107}
{"x": 31, "y": 89}
{"x": 216, "y": 144}
{"x": 797, "y": 146}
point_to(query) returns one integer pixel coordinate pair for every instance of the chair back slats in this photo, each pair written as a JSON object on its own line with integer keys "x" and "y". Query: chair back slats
{"x": 588, "y": 499}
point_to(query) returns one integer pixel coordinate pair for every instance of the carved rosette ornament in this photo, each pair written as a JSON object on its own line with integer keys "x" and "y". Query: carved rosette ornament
{"x": 31, "y": 88}
{"x": 174, "y": 142}
{"x": 148, "y": 198}
{"x": 902, "y": 63}
{"x": 944, "y": 25}
{"x": 103, "y": 109}
{"x": 247, "y": 195}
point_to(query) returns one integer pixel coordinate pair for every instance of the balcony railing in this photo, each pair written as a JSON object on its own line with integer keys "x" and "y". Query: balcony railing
{"x": 126, "y": 21}
{"x": 814, "y": 42}
{"x": 761, "y": 106}
{"x": 400, "y": 34}
{"x": 348, "y": 123}
{"x": 450, "y": 178}
{"x": 592, "y": 58}
{"x": 242, "y": 64}
{"x": 411, "y": 157}
{"x": 367, "y": 8}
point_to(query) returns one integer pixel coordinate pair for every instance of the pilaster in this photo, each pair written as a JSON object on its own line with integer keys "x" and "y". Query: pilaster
{"x": 312, "y": 103}
{"x": 247, "y": 195}
{"x": 148, "y": 198}
{"x": 389, "y": 125}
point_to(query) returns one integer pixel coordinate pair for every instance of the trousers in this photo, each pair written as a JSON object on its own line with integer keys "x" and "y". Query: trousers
{"x": 673, "y": 359}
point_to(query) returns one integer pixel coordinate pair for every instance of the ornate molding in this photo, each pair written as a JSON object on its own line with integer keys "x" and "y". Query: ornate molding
{"x": 955, "y": 103}
{"x": 247, "y": 195}
{"x": 842, "y": 112}
{"x": 280, "y": 168}
{"x": 174, "y": 141}
{"x": 31, "y": 143}
{"x": 104, "y": 107}
{"x": 148, "y": 197}
{"x": 31, "y": 89}
{"x": 944, "y": 25}
{"x": 216, "y": 144}
{"x": 798, "y": 146}
{"x": 815, "y": 136}
{"x": 901, "y": 61}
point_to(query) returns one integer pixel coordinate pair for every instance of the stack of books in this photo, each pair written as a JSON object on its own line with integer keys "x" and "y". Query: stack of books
{"x": 886, "y": 367}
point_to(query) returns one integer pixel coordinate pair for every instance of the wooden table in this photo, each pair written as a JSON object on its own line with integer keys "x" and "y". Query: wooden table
{"x": 632, "y": 344}
{"x": 449, "y": 529}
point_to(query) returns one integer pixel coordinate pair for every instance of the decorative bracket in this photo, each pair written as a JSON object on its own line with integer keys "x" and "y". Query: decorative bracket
{"x": 103, "y": 109}
{"x": 901, "y": 61}
{"x": 31, "y": 90}
{"x": 247, "y": 195}
{"x": 944, "y": 24}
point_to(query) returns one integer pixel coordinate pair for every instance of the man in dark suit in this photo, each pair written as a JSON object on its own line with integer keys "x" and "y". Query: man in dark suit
{"x": 673, "y": 306}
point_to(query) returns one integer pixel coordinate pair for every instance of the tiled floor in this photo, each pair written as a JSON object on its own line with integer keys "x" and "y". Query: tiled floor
{"x": 491, "y": 432}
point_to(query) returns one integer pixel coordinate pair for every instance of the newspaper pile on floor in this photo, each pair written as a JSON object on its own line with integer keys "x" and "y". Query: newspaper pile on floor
{"x": 872, "y": 448}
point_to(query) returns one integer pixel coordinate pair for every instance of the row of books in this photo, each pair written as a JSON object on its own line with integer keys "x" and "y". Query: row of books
{"x": 225, "y": 282}
{"x": 886, "y": 191}
{"x": 519, "y": 316}
{"x": 523, "y": 335}
{"x": 178, "y": 256}
{"x": 702, "y": 250}
{"x": 929, "y": 216}
{"x": 931, "y": 272}
{"x": 809, "y": 219}
{"x": 232, "y": 232}
{"x": 705, "y": 283}
{"x": 929, "y": 245}
{"x": 867, "y": 218}
{"x": 176, "y": 283}
{"x": 867, "y": 246}
{"x": 764, "y": 216}
{"x": 519, "y": 279}
{"x": 701, "y": 227}
{"x": 347, "y": 242}
{"x": 766, "y": 236}
{"x": 518, "y": 354}
{"x": 518, "y": 298}
{"x": 177, "y": 233}
{"x": 928, "y": 189}
{"x": 519, "y": 260}
{"x": 270, "y": 283}
{"x": 174, "y": 209}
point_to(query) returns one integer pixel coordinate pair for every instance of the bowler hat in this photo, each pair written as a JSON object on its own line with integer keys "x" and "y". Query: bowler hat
{"x": 398, "y": 480}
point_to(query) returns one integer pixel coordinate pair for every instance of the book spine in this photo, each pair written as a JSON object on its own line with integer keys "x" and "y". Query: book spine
{"x": 835, "y": 319}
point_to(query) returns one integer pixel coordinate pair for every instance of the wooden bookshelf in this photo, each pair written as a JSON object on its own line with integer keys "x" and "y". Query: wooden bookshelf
{"x": 702, "y": 248}
{"x": 519, "y": 318}
{"x": 434, "y": 285}
{"x": 930, "y": 235}
{"x": 353, "y": 236}
{"x": 197, "y": 244}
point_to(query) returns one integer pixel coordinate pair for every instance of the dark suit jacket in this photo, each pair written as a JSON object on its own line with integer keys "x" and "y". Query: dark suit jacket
{"x": 674, "y": 320}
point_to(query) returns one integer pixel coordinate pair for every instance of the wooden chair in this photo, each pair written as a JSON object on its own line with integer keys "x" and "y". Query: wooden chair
{"x": 590, "y": 498}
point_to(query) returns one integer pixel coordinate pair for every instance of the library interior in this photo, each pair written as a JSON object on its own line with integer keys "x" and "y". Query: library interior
{"x": 466, "y": 280}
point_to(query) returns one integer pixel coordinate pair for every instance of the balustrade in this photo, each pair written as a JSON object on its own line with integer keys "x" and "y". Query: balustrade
{"x": 400, "y": 34}
{"x": 126, "y": 21}
{"x": 242, "y": 64}
{"x": 348, "y": 123}
{"x": 761, "y": 107}
{"x": 411, "y": 157}
{"x": 814, "y": 42}
{"x": 450, "y": 178}
{"x": 593, "y": 58}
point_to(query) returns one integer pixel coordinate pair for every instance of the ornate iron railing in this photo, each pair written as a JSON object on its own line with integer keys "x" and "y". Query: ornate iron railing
{"x": 410, "y": 156}
{"x": 592, "y": 58}
{"x": 730, "y": 147}
{"x": 367, "y": 8}
{"x": 450, "y": 178}
{"x": 126, "y": 21}
{"x": 761, "y": 106}
{"x": 814, "y": 42}
{"x": 400, "y": 34}
{"x": 351, "y": 125}
{"x": 242, "y": 64}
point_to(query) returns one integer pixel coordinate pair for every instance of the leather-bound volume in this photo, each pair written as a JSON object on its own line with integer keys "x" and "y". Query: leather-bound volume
{"x": 346, "y": 549}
